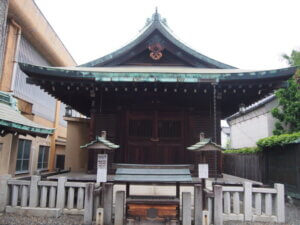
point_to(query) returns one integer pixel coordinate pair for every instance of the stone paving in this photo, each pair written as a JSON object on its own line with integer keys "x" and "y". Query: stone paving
{"x": 292, "y": 209}
{"x": 292, "y": 218}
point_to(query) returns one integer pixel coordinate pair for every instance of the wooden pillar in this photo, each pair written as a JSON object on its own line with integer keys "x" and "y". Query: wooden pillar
{"x": 92, "y": 124}
{"x": 92, "y": 155}
{"x": 54, "y": 136}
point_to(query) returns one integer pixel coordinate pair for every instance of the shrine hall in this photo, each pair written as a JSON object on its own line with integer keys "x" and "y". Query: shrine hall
{"x": 149, "y": 101}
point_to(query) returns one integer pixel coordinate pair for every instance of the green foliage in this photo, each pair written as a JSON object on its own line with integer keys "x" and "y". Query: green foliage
{"x": 294, "y": 59}
{"x": 250, "y": 150}
{"x": 277, "y": 140}
{"x": 288, "y": 111}
{"x": 267, "y": 143}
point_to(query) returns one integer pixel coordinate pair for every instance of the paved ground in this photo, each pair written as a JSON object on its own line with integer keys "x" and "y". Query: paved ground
{"x": 292, "y": 216}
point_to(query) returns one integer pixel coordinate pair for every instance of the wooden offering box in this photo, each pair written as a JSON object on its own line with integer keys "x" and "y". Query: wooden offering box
{"x": 153, "y": 208}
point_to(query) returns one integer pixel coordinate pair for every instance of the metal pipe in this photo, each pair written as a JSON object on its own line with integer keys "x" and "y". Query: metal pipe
{"x": 215, "y": 125}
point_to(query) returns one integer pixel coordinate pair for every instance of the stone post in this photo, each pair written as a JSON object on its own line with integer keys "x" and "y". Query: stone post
{"x": 34, "y": 191}
{"x": 186, "y": 208}
{"x": 60, "y": 195}
{"x": 88, "y": 204}
{"x": 279, "y": 202}
{"x": 248, "y": 201}
{"x": 119, "y": 208}
{"x": 108, "y": 203}
{"x": 218, "y": 205}
{"x": 198, "y": 204}
{"x": 4, "y": 191}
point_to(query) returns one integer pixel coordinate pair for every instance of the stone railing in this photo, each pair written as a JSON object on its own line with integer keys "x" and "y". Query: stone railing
{"x": 221, "y": 202}
{"x": 45, "y": 198}
{"x": 246, "y": 203}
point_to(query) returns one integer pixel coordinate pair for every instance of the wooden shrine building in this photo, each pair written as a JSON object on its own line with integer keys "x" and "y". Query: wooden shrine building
{"x": 153, "y": 97}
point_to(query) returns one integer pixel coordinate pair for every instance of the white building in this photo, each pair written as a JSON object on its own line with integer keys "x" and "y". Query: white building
{"x": 225, "y": 135}
{"x": 252, "y": 123}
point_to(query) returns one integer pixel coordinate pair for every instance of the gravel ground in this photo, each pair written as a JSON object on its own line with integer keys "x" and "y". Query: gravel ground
{"x": 292, "y": 218}
{"x": 11, "y": 219}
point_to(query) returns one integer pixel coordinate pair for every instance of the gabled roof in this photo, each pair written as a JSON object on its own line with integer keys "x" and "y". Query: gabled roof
{"x": 157, "y": 24}
{"x": 101, "y": 140}
{"x": 199, "y": 146}
{"x": 12, "y": 121}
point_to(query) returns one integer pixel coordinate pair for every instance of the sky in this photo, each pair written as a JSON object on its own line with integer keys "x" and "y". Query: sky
{"x": 248, "y": 34}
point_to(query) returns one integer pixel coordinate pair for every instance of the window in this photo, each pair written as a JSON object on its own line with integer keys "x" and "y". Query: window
{"x": 169, "y": 129}
{"x": 23, "y": 155}
{"x": 140, "y": 128}
{"x": 43, "y": 157}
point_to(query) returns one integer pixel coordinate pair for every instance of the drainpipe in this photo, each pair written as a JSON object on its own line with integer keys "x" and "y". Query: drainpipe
{"x": 18, "y": 39}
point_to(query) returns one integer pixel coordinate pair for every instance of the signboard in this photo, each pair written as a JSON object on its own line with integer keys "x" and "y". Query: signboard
{"x": 102, "y": 168}
{"x": 203, "y": 170}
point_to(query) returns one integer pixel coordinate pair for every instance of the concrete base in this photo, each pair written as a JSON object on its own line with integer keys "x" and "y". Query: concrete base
{"x": 28, "y": 211}
{"x": 73, "y": 211}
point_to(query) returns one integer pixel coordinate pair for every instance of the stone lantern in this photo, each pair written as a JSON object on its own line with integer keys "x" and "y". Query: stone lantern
{"x": 207, "y": 152}
{"x": 100, "y": 146}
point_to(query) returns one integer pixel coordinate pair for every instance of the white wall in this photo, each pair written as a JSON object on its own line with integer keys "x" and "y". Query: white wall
{"x": 247, "y": 129}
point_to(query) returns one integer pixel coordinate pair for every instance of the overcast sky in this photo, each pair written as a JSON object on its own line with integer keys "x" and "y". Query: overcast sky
{"x": 248, "y": 34}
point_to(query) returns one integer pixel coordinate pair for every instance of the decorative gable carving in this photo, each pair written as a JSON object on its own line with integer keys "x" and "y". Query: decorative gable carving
{"x": 156, "y": 51}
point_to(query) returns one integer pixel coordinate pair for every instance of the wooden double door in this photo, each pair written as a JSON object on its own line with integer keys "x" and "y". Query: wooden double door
{"x": 154, "y": 137}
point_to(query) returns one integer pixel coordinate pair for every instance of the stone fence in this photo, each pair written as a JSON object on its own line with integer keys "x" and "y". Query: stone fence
{"x": 246, "y": 203}
{"x": 213, "y": 204}
{"x": 45, "y": 198}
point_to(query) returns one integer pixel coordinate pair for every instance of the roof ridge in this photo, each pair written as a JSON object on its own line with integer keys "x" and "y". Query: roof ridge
{"x": 156, "y": 23}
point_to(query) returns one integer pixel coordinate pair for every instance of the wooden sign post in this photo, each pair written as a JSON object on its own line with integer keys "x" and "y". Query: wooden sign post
{"x": 203, "y": 171}
{"x": 102, "y": 168}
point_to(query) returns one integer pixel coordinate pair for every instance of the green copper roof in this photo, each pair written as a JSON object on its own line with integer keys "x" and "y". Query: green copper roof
{"x": 201, "y": 144}
{"x": 11, "y": 119}
{"x": 154, "y": 24}
{"x": 150, "y": 74}
{"x": 101, "y": 140}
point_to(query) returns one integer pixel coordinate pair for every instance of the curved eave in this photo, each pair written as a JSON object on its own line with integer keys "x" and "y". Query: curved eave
{"x": 155, "y": 25}
{"x": 21, "y": 128}
{"x": 105, "y": 142}
{"x": 45, "y": 73}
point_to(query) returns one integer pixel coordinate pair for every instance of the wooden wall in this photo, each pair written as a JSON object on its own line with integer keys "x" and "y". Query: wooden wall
{"x": 193, "y": 122}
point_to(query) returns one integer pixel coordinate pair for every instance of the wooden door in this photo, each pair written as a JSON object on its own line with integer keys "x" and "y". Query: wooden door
{"x": 154, "y": 137}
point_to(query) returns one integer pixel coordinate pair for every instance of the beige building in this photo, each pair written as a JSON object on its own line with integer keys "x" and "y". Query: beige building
{"x": 26, "y": 36}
